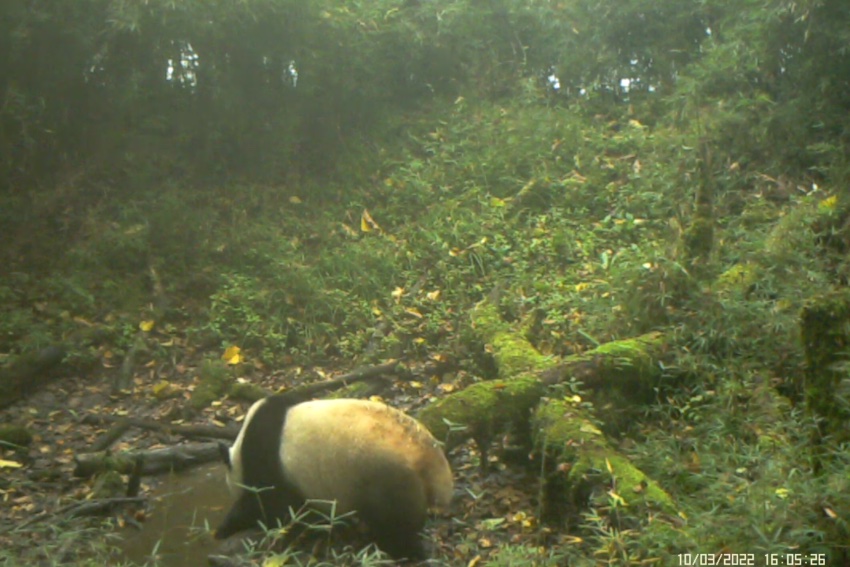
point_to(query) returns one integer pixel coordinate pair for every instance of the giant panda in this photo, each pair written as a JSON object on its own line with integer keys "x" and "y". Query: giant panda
{"x": 367, "y": 456}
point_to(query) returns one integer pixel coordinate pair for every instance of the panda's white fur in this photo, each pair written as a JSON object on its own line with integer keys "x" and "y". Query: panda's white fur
{"x": 366, "y": 456}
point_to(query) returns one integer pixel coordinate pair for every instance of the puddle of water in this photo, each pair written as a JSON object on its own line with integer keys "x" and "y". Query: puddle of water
{"x": 174, "y": 530}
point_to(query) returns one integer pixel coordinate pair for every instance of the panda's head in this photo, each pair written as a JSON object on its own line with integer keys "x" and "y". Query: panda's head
{"x": 233, "y": 456}
{"x": 254, "y": 461}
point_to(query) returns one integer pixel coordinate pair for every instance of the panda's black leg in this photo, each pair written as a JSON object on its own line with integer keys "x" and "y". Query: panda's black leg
{"x": 399, "y": 541}
{"x": 243, "y": 515}
{"x": 394, "y": 507}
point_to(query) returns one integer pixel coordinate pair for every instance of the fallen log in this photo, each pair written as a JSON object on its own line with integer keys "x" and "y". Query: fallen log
{"x": 155, "y": 461}
{"x": 188, "y": 431}
{"x": 534, "y": 398}
{"x": 378, "y": 372}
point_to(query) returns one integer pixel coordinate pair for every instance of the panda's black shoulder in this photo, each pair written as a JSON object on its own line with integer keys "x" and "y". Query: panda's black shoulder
{"x": 260, "y": 451}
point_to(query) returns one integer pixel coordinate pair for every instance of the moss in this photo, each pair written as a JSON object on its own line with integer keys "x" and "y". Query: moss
{"x": 108, "y": 485}
{"x": 215, "y": 380}
{"x": 567, "y": 426}
{"x": 568, "y": 430}
{"x": 740, "y": 278}
{"x": 482, "y": 409}
{"x": 514, "y": 355}
{"x": 622, "y": 374}
{"x": 635, "y": 354}
{"x": 825, "y": 332}
{"x": 628, "y": 482}
{"x": 15, "y": 435}
{"x": 699, "y": 238}
{"x": 246, "y": 391}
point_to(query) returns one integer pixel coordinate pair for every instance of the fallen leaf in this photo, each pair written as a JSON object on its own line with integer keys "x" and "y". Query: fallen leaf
{"x": 232, "y": 355}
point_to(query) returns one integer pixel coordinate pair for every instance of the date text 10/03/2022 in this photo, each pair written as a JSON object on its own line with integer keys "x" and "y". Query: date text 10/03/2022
{"x": 753, "y": 559}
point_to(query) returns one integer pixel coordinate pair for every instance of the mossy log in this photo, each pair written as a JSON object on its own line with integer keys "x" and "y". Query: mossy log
{"x": 217, "y": 380}
{"x": 157, "y": 461}
{"x": 191, "y": 431}
{"x": 584, "y": 462}
{"x": 620, "y": 374}
{"x": 825, "y": 332}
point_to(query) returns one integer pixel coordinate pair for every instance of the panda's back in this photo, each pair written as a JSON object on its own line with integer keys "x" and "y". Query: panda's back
{"x": 353, "y": 451}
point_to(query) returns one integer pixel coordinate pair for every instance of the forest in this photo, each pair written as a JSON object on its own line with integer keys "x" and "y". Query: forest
{"x": 599, "y": 249}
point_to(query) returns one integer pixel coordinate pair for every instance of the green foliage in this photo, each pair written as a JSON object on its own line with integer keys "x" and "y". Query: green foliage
{"x": 744, "y": 461}
{"x": 520, "y": 556}
{"x": 62, "y": 544}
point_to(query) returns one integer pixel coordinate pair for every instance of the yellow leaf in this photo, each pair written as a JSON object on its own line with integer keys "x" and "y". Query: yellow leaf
{"x": 589, "y": 428}
{"x": 415, "y": 384}
{"x": 618, "y": 500}
{"x": 608, "y": 466}
{"x": 397, "y": 293}
{"x": 433, "y": 295}
{"x": 146, "y": 326}
{"x": 496, "y": 202}
{"x": 4, "y": 464}
{"x": 828, "y": 204}
{"x": 582, "y": 286}
{"x": 164, "y": 389}
{"x": 414, "y": 312}
{"x": 295, "y": 200}
{"x": 367, "y": 223}
{"x": 376, "y": 311}
{"x": 419, "y": 340}
{"x": 783, "y": 493}
{"x": 232, "y": 355}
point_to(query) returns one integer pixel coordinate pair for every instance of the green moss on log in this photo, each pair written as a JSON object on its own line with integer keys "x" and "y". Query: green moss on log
{"x": 567, "y": 435}
{"x": 215, "y": 380}
{"x": 482, "y": 410}
{"x": 825, "y": 332}
{"x": 514, "y": 355}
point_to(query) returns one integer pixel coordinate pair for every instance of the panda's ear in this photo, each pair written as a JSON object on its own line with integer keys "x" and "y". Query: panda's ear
{"x": 224, "y": 452}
